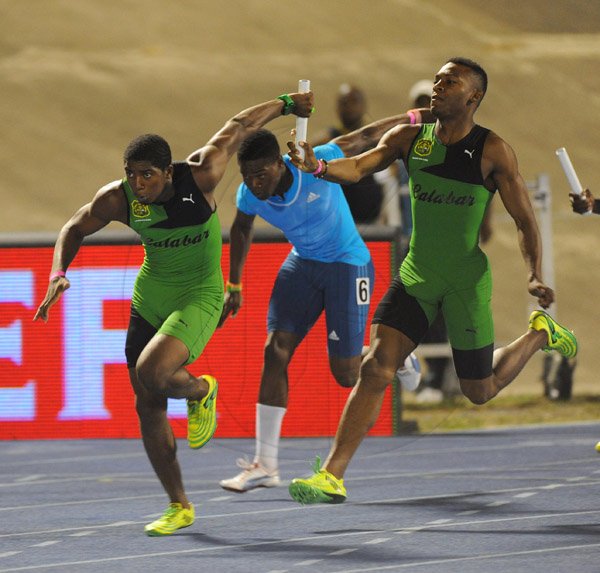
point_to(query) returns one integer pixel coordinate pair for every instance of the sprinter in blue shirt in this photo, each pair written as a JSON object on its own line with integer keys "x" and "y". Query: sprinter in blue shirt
{"x": 328, "y": 269}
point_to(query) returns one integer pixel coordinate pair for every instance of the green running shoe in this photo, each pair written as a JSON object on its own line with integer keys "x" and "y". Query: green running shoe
{"x": 321, "y": 487}
{"x": 559, "y": 338}
{"x": 175, "y": 517}
{"x": 202, "y": 416}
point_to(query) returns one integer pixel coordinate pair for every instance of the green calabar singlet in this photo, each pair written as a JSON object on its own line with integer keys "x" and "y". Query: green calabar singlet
{"x": 445, "y": 268}
{"x": 179, "y": 288}
{"x": 448, "y": 196}
{"x": 182, "y": 237}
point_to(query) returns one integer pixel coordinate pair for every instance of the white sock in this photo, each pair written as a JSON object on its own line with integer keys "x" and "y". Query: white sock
{"x": 268, "y": 430}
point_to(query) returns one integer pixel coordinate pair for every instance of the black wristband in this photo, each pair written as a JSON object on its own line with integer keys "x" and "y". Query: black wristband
{"x": 288, "y": 104}
{"x": 596, "y": 207}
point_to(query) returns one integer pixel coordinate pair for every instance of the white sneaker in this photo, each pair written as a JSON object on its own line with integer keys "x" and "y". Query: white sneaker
{"x": 253, "y": 475}
{"x": 430, "y": 396}
{"x": 410, "y": 374}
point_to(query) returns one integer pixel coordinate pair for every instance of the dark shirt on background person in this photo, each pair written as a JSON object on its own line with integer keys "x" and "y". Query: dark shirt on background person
{"x": 365, "y": 198}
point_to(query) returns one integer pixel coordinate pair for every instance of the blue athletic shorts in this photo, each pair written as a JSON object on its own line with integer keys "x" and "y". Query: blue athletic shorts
{"x": 304, "y": 288}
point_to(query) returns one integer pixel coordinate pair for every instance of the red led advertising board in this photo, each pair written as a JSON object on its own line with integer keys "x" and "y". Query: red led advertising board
{"x": 67, "y": 378}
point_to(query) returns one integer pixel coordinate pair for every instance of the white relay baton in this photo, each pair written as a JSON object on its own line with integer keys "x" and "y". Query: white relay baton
{"x": 569, "y": 170}
{"x": 302, "y": 122}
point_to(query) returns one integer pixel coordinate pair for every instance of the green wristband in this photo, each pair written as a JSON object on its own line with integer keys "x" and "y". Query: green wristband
{"x": 288, "y": 104}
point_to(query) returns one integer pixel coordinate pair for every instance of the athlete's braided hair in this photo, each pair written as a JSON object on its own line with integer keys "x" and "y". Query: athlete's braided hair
{"x": 149, "y": 147}
{"x": 262, "y": 144}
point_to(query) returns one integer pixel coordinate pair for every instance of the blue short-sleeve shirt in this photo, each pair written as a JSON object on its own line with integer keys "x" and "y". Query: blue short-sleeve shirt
{"x": 313, "y": 214}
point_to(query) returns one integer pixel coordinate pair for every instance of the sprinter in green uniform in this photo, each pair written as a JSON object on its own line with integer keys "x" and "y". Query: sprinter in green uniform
{"x": 178, "y": 293}
{"x": 454, "y": 167}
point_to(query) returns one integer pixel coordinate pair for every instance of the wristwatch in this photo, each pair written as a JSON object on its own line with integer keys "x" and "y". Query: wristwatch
{"x": 288, "y": 104}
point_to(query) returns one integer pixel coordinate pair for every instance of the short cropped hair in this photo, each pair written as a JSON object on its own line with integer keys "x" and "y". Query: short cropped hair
{"x": 149, "y": 147}
{"x": 477, "y": 70}
{"x": 262, "y": 144}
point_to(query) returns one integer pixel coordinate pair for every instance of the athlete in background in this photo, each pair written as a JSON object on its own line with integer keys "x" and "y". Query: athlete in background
{"x": 329, "y": 269}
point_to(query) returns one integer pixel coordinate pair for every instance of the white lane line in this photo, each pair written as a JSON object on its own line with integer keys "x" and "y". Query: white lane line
{"x": 497, "y": 503}
{"x": 46, "y": 543}
{"x": 578, "y": 478}
{"x": 337, "y": 535}
{"x": 377, "y": 541}
{"x": 552, "y": 486}
{"x": 408, "y": 530}
{"x": 307, "y": 563}
{"x": 526, "y": 494}
{"x": 469, "y": 512}
{"x": 220, "y": 498}
{"x": 343, "y": 551}
{"x": 62, "y": 480}
{"x": 401, "y": 451}
{"x": 316, "y": 507}
{"x": 10, "y": 553}
{"x": 81, "y": 533}
{"x": 102, "y": 500}
{"x": 29, "y": 478}
{"x": 76, "y": 459}
{"x": 472, "y": 558}
{"x": 458, "y": 495}
{"x": 439, "y": 521}
{"x": 205, "y": 491}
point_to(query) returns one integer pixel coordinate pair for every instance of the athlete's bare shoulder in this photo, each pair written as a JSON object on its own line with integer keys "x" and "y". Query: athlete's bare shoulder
{"x": 110, "y": 202}
{"x": 400, "y": 138}
{"x": 497, "y": 153}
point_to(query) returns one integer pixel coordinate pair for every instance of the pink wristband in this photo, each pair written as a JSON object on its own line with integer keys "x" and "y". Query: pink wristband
{"x": 318, "y": 169}
{"x": 57, "y": 274}
{"x": 414, "y": 115}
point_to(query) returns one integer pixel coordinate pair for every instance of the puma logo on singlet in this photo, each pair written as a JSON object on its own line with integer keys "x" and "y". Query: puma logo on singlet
{"x": 188, "y": 199}
{"x": 470, "y": 153}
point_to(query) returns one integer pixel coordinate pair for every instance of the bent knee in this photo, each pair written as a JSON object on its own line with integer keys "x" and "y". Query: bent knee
{"x": 346, "y": 379}
{"x": 374, "y": 374}
{"x": 477, "y": 391}
{"x": 151, "y": 378}
{"x": 345, "y": 370}
{"x": 278, "y": 352}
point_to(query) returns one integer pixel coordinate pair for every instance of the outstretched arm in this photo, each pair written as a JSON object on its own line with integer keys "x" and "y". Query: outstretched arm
{"x": 209, "y": 162}
{"x": 393, "y": 145}
{"x": 108, "y": 205}
{"x": 502, "y": 162}
{"x": 240, "y": 239}
{"x": 368, "y": 136}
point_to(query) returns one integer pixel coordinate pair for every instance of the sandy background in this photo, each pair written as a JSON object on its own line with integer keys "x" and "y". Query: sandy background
{"x": 79, "y": 79}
